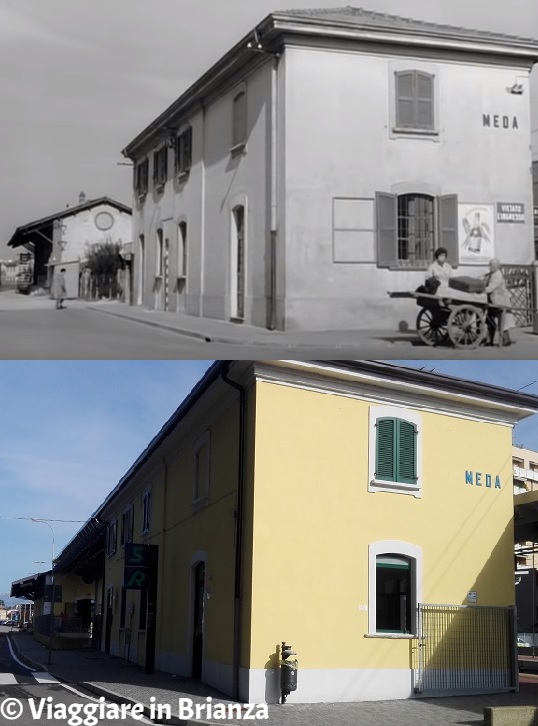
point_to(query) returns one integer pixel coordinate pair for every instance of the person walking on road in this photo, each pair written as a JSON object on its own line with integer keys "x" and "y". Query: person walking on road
{"x": 498, "y": 294}
{"x": 59, "y": 289}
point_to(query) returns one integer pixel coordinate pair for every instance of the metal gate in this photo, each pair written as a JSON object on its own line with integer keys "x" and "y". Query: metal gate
{"x": 465, "y": 649}
{"x": 520, "y": 281}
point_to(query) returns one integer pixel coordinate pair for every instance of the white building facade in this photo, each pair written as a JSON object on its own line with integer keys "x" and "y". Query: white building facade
{"x": 319, "y": 164}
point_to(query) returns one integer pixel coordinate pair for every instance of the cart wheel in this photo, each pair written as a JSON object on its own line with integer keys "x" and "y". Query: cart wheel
{"x": 467, "y": 326}
{"x": 432, "y": 326}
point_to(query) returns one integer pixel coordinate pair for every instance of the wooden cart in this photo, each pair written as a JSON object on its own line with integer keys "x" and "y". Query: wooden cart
{"x": 443, "y": 320}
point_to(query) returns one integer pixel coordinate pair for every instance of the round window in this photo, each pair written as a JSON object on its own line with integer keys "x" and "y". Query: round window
{"x": 104, "y": 220}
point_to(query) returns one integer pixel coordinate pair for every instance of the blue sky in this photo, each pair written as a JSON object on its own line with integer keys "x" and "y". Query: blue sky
{"x": 71, "y": 429}
{"x": 78, "y": 81}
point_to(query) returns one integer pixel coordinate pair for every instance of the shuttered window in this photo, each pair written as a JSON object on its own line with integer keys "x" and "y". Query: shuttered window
{"x": 183, "y": 151}
{"x": 396, "y": 451}
{"x": 414, "y": 100}
{"x": 239, "y": 127}
{"x": 411, "y": 226}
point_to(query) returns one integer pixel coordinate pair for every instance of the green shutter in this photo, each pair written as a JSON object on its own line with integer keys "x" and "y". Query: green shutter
{"x": 448, "y": 227}
{"x": 387, "y": 238}
{"x": 406, "y": 452}
{"x": 385, "y": 449}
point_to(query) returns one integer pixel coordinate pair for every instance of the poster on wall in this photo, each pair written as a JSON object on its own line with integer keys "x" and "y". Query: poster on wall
{"x": 476, "y": 228}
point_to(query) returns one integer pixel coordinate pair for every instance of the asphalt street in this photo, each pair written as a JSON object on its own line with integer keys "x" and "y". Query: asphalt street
{"x": 81, "y": 333}
{"x": 29, "y": 697}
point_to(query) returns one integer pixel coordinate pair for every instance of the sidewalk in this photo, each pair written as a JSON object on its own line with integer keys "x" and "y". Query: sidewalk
{"x": 121, "y": 681}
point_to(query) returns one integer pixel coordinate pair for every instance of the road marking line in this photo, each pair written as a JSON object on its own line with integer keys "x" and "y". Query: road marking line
{"x": 44, "y": 677}
{"x": 28, "y": 668}
{"x": 7, "y": 679}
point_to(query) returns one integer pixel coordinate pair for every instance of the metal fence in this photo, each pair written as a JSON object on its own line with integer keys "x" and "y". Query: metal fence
{"x": 520, "y": 281}
{"x": 465, "y": 649}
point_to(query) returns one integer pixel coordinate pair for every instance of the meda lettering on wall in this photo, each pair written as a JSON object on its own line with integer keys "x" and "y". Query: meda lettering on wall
{"x": 496, "y": 121}
{"x": 478, "y": 479}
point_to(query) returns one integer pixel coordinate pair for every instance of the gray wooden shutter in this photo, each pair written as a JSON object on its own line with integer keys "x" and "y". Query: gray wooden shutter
{"x": 239, "y": 132}
{"x": 387, "y": 224}
{"x": 405, "y": 105}
{"x": 448, "y": 227}
{"x": 424, "y": 95}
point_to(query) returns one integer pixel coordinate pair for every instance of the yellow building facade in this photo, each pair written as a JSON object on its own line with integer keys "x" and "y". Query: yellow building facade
{"x": 360, "y": 511}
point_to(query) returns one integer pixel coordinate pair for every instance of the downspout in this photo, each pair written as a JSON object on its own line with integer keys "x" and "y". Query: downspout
{"x": 274, "y": 191}
{"x": 238, "y": 533}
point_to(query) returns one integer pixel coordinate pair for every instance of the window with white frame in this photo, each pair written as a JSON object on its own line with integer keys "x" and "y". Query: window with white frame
{"x": 111, "y": 537}
{"x": 202, "y": 453}
{"x": 146, "y": 511}
{"x": 395, "y": 450}
{"x": 394, "y": 588}
{"x": 127, "y": 522}
{"x": 415, "y": 100}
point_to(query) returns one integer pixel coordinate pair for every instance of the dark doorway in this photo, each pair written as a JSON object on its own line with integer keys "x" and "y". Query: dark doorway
{"x": 198, "y": 621}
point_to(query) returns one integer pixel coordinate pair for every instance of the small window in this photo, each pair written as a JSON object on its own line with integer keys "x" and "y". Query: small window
{"x": 160, "y": 166}
{"x": 127, "y": 518}
{"x": 414, "y": 100}
{"x": 183, "y": 151}
{"x": 159, "y": 266}
{"x": 111, "y": 537}
{"x": 395, "y": 450}
{"x": 393, "y": 594}
{"x": 239, "y": 129}
{"x": 142, "y": 176}
{"x": 146, "y": 511}
{"x": 201, "y": 468}
{"x": 182, "y": 251}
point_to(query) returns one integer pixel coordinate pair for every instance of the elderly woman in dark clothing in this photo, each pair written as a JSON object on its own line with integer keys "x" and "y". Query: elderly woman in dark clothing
{"x": 498, "y": 294}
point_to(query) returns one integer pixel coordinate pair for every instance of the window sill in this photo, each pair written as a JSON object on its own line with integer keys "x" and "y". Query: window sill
{"x": 183, "y": 176}
{"x": 377, "y": 485}
{"x": 142, "y": 196}
{"x": 392, "y": 636}
{"x": 238, "y": 149}
{"x": 415, "y": 132}
{"x": 159, "y": 187}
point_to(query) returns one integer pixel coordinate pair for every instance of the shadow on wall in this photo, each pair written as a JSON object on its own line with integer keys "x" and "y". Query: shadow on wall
{"x": 272, "y": 678}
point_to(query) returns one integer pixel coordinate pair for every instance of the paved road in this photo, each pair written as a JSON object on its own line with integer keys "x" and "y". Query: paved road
{"x": 29, "y": 697}
{"x": 80, "y": 333}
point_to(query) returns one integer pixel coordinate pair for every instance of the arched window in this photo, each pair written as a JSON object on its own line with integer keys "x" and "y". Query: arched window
{"x": 182, "y": 251}
{"x": 416, "y": 240}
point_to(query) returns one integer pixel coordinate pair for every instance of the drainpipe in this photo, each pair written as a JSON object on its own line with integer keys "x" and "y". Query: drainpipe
{"x": 274, "y": 192}
{"x": 238, "y": 532}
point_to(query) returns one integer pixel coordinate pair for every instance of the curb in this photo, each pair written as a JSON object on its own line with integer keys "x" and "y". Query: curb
{"x": 510, "y": 716}
{"x": 101, "y": 691}
{"x": 174, "y": 329}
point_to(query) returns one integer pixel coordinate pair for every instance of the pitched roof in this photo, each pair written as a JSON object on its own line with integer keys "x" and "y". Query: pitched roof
{"x": 349, "y": 22}
{"x": 18, "y": 237}
{"x": 351, "y": 15}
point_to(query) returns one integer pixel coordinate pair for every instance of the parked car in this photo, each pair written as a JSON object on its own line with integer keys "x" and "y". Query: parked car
{"x": 523, "y": 644}
{"x": 3, "y": 622}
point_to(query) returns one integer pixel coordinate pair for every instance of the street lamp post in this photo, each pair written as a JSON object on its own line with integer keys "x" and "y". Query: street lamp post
{"x": 51, "y": 629}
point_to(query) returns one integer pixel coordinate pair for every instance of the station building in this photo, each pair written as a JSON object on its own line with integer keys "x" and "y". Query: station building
{"x": 321, "y": 161}
{"x": 361, "y": 511}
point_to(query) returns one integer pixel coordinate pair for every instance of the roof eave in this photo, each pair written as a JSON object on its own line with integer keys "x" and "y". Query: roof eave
{"x": 526, "y": 49}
